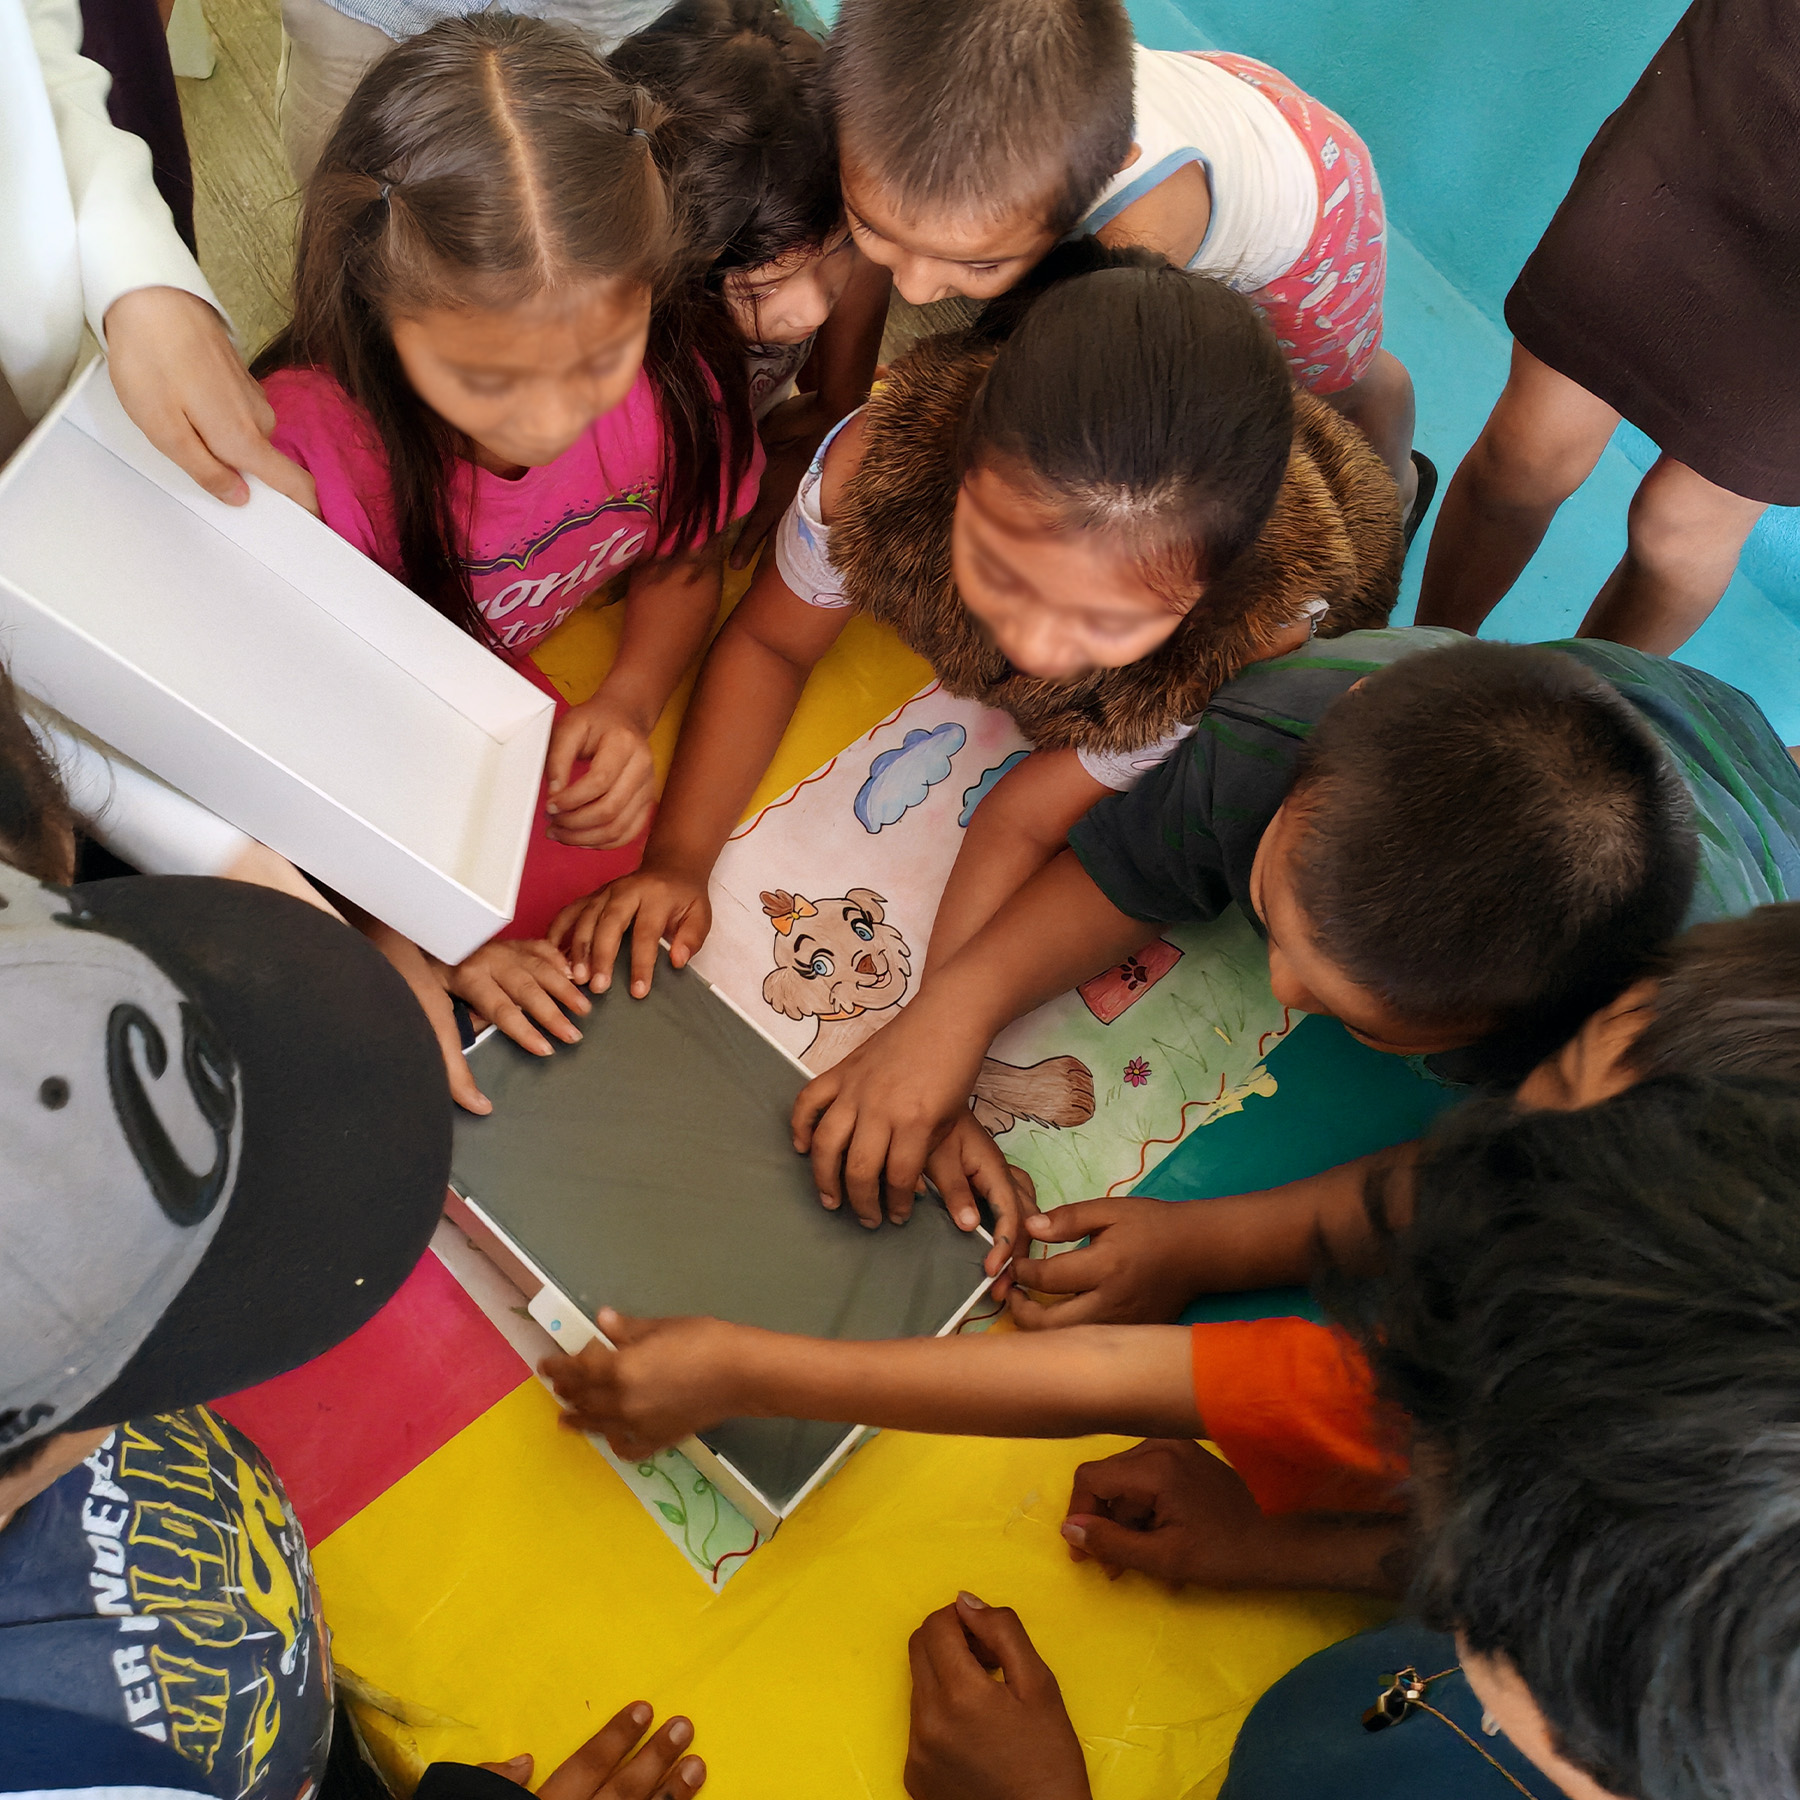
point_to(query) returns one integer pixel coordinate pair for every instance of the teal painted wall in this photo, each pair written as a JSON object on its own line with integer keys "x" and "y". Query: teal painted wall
{"x": 1477, "y": 114}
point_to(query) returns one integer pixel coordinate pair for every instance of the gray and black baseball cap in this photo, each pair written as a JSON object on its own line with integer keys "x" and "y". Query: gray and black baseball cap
{"x": 224, "y": 1143}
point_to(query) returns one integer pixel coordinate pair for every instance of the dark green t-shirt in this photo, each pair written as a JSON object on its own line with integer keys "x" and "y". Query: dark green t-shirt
{"x": 1178, "y": 847}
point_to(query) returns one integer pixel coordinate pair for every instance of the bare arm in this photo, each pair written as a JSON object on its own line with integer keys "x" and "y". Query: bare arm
{"x": 1021, "y": 825}
{"x": 849, "y": 342}
{"x": 669, "y": 608}
{"x": 870, "y": 1123}
{"x": 668, "y": 1378}
{"x": 1146, "y": 1259}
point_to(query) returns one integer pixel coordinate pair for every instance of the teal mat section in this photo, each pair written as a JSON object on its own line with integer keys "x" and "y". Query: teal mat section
{"x": 1335, "y": 1100}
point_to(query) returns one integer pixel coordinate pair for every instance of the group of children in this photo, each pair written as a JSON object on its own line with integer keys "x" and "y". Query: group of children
{"x": 567, "y": 326}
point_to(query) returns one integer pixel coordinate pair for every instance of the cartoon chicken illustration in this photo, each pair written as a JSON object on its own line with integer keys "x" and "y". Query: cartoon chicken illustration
{"x": 841, "y": 964}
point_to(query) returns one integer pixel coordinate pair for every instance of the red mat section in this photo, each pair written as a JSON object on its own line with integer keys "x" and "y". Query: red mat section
{"x": 343, "y": 1429}
{"x": 556, "y": 874}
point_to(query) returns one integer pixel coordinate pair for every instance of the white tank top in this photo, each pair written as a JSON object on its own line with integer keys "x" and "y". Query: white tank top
{"x": 1265, "y": 190}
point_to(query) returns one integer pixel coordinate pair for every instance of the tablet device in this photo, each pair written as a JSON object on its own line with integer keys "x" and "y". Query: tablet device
{"x": 651, "y": 1168}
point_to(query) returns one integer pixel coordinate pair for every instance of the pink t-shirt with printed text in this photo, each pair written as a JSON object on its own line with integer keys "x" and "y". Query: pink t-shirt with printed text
{"x": 538, "y": 545}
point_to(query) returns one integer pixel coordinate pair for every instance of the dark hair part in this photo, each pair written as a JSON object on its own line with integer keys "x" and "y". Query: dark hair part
{"x": 1491, "y": 837}
{"x": 478, "y": 164}
{"x": 1139, "y": 399}
{"x": 1728, "y": 1000}
{"x": 984, "y": 106}
{"x": 1594, "y": 1321}
{"x": 37, "y": 825}
{"x": 749, "y": 152}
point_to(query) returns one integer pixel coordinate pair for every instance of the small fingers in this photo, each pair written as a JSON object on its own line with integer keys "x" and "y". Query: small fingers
{"x": 815, "y": 1100}
{"x": 585, "y": 1775}
{"x": 959, "y": 1198}
{"x": 1067, "y": 1224}
{"x": 643, "y": 958}
{"x": 185, "y": 446}
{"x": 1031, "y": 1314}
{"x": 525, "y": 988}
{"x": 655, "y": 1770}
{"x": 260, "y": 458}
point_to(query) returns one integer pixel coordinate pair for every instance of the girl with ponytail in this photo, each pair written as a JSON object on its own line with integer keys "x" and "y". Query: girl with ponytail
{"x": 509, "y": 390}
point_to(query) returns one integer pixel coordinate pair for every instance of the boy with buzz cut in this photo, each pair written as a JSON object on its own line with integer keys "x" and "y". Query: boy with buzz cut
{"x": 1450, "y": 845}
{"x": 973, "y": 134}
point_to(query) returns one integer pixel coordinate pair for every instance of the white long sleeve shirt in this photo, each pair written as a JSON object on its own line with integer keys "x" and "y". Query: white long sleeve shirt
{"x": 81, "y": 221}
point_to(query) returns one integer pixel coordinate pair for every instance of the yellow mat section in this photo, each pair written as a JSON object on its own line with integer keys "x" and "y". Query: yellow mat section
{"x": 510, "y": 1594}
{"x": 867, "y": 674}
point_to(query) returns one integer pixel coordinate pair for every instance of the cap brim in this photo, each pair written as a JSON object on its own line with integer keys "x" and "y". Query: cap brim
{"x": 346, "y": 1135}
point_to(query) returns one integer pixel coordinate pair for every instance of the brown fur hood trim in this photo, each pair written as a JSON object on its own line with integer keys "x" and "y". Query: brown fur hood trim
{"x": 1334, "y": 535}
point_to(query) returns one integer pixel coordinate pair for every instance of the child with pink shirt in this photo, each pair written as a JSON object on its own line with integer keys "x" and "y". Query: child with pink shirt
{"x": 492, "y": 408}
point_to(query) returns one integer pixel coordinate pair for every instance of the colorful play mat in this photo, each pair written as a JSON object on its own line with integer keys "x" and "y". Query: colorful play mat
{"x": 496, "y": 1584}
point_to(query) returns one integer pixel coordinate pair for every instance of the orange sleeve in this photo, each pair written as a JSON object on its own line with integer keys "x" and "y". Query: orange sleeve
{"x": 1292, "y": 1405}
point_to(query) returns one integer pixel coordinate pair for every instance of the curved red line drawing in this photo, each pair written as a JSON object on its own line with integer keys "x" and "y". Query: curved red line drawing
{"x": 794, "y": 792}
{"x": 1150, "y": 1144}
{"x": 1287, "y": 1015}
{"x": 755, "y": 1539}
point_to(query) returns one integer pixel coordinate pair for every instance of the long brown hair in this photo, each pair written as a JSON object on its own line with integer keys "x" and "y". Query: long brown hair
{"x": 478, "y": 164}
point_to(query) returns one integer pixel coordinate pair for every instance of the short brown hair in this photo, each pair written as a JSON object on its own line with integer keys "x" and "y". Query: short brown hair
{"x": 983, "y": 105}
{"x": 1728, "y": 1000}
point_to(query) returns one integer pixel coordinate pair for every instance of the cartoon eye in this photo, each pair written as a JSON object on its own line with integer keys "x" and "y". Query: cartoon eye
{"x": 863, "y": 930}
{"x": 821, "y": 963}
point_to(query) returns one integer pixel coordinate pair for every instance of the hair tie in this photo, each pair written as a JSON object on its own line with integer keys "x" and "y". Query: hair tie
{"x": 638, "y": 131}
{"x": 387, "y": 187}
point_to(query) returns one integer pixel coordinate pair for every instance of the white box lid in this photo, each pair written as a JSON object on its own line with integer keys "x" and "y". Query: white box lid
{"x": 253, "y": 659}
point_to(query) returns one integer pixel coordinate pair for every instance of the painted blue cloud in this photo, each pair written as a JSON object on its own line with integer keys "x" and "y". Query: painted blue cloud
{"x": 974, "y": 796}
{"x": 902, "y": 777}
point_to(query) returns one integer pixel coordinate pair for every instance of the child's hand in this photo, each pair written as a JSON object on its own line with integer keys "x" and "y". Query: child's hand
{"x": 652, "y": 903}
{"x": 975, "y": 1738}
{"x": 968, "y": 1162}
{"x": 1174, "y": 1511}
{"x": 520, "y": 984}
{"x": 1126, "y": 1276}
{"x": 665, "y": 1380}
{"x": 870, "y": 1123}
{"x": 429, "y": 980}
{"x": 605, "y": 1768}
{"x": 610, "y": 804}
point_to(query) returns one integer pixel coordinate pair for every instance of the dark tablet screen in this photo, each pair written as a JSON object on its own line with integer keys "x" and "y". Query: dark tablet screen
{"x": 650, "y": 1168}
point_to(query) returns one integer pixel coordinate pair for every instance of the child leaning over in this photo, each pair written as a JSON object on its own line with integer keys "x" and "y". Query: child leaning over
{"x": 496, "y": 408}
{"x": 975, "y": 133}
{"x": 753, "y": 165}
{"x": 1449, "y": 845}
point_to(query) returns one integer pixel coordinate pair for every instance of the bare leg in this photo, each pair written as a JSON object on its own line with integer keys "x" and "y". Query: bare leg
{"x": 1380, "y": 406}
{"x": 1685, "y": 536}
{"x": 1539, "y": 445}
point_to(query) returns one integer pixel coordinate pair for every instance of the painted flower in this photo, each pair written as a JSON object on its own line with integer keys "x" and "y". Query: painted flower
{"x": 1137, "y": 1071}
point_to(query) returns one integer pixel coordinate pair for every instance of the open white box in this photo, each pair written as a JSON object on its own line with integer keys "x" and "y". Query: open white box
{"x": 254, "y": 660}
